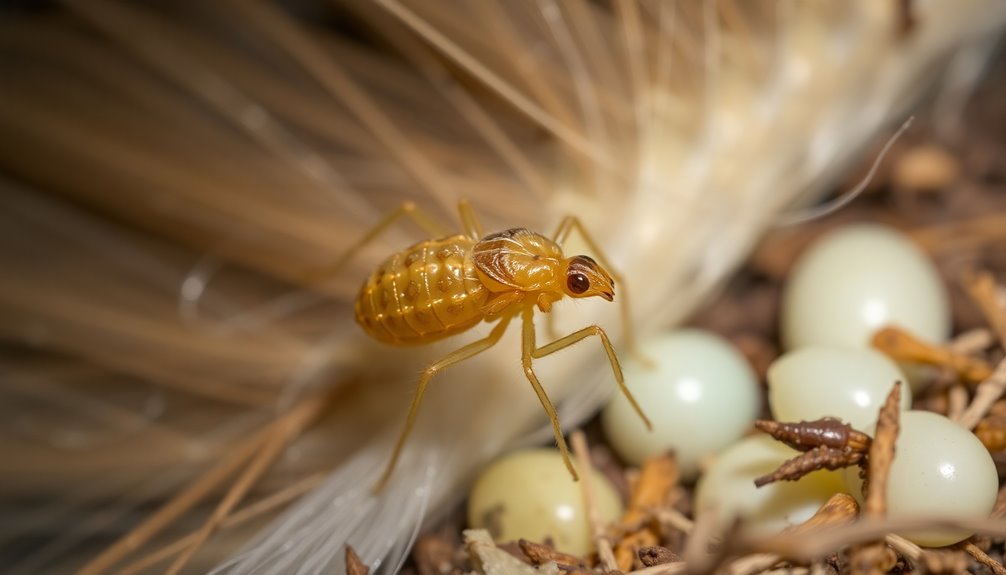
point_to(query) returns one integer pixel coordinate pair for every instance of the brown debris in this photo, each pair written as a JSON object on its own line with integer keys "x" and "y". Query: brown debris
{"x": 807, "y": 435}
{"x": 877, "y": 558}
{"x": 827, "y": 444}
{"x": 813, "y": 460}
{"x": 657, "y": 479}
{"x": 540, "y": 554}
{"x": 925, "y": 168}
{"x": 984, "y": 291}
{"x": 983, "y": 558}
{"x": 872, "y": 559}
{"x": 987, "y": 394}
{"x": 900, "y": 345}
{"x": 657, "y": 555}
{"x": 354, "y": 566}
{"x": 943, "y": 562}
{"x": 881, "y": 454}
{"x": 434, "y": 555}
{"x": 992, "y": 432}
{"x": 840, "y": 509}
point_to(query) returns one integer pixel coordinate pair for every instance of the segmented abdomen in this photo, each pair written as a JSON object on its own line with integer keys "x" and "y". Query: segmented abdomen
{"x": 426, "y": 292}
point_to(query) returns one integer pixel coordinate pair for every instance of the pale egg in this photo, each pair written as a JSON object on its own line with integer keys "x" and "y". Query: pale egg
{"x": 701, "y": 396}
{"x": 530, "y": 494}
{"x": 857, "y": 279}
{"x": 727, "y": 488}
{"x": 940, "y": 470}
{"x": 851, "y": 384}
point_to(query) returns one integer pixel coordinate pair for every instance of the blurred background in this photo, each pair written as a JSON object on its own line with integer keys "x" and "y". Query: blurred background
{"x": 181, "y": 374}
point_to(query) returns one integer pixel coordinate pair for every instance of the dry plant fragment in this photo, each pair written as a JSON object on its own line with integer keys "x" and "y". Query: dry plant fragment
{"x": 657, "y": 555}
{"x": 987, "y": 394}
{"x": 488, "y": 559}
{"x": 354, "y": 566}
{"x": 984, "y": 291}
{"x": 827, "y": 444}
{"x": 434, "y": 555}
{"x": 825, "y": 432}
{"x": 876, "y": 558}
{"x": 601, "y": 543}
{"x": 941, "y": 561}
{"x": 540, "y": 554}
{"x": 900, "y": 345}
{"x": 881, "y": 454}
{"x": 991, "y": 431}
{"x": 840, "y": 509}
{"x": 657, "y": 478}
{"x": 983, "y": 558}
{"x": 813, "y": 460}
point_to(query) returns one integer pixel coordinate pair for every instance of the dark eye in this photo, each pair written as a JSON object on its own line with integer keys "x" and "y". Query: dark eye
{"x": 577, "y": 283}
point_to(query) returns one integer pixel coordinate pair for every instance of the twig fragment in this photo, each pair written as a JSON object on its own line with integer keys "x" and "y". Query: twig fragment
{"x": 900, "y": 345}
{"x": 987, "y": 394}
{"x": 882, "y": 453}
{"x": 601, "y": 543}
{"x": 876, "y": 558}
{"x": 983, "y": 558}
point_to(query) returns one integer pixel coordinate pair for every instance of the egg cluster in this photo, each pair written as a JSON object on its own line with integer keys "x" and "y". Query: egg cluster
{"x": 703, "y": 396}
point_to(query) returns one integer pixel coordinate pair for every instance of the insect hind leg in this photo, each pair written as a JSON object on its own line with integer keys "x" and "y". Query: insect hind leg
{"x": 470, "y": 221}
{"x": 470, "y": 350}
{"x": 406, "y": 209}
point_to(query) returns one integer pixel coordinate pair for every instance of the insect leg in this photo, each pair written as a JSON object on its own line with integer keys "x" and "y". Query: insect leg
{"x": 407, "y": 209}
{"x": 566, "y": 227}
{"x": 456, "y": 356}
{"x": 576, "y": 336}
{"x": 470, "y": 221}
{"x": 527, "y": 354}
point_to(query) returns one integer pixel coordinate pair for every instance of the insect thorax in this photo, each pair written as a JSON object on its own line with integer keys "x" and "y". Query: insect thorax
{"x": 517, "y": 259}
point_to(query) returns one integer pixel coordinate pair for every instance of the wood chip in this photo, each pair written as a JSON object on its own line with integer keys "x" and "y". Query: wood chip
{"x": 657, "y": 479}
{"x": 657, "y": 555}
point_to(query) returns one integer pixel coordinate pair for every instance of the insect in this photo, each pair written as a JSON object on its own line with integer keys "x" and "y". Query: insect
{"x": 441, "y": 287}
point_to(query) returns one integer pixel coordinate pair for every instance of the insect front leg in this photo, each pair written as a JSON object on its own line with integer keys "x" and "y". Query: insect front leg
{"x": 456, "y": 356}
{"x": 616, "y": 368}
{"x": 527, "y": 355}
{"x": 566, "y": 227}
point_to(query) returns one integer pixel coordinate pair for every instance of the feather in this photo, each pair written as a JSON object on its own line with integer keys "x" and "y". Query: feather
{"x": 172, "y": 173}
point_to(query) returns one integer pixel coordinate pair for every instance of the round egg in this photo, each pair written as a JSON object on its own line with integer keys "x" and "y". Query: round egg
{"x": 530, "y": 494}
{"x": 701, "y": 396}
{"x": 856, "y": 280}
{"x": 851, "y": 384}
{"x": 940, "y": 470}
{"x": 727, "y": 488}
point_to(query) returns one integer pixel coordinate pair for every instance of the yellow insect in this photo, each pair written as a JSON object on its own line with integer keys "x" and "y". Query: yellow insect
{"x": 442, "y": 287}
